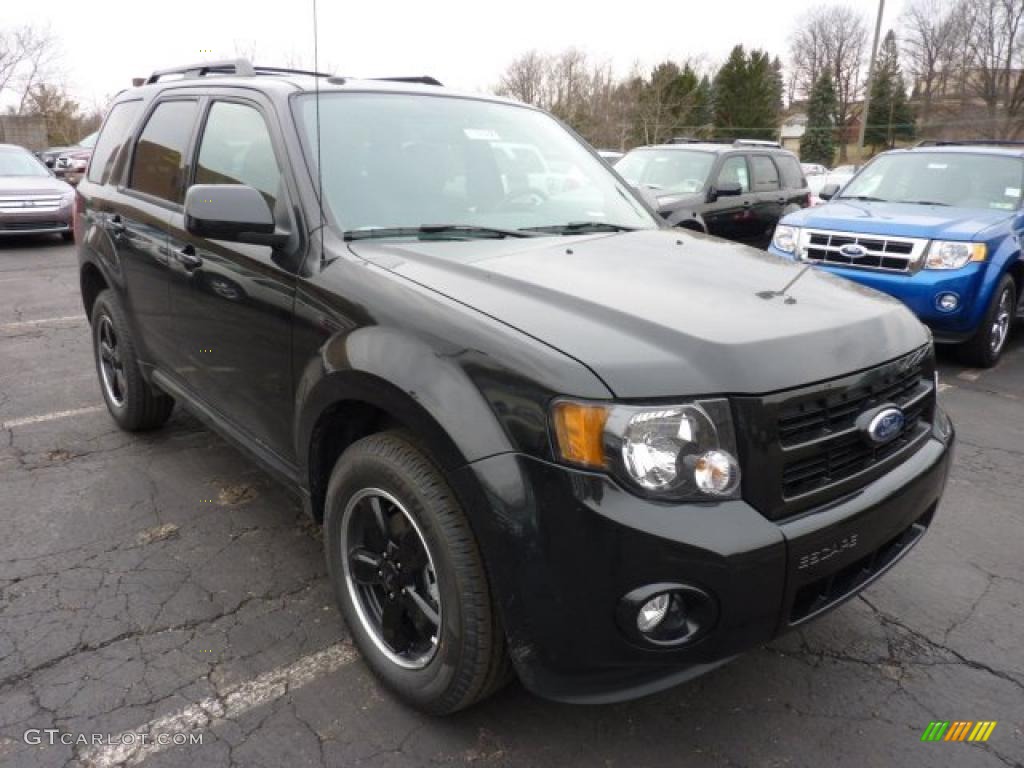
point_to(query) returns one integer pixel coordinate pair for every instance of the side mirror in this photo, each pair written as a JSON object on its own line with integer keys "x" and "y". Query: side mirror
{"x": 726, "y": 189}
{"x": 829, "y": 191}
{"x": 233, "y": 212}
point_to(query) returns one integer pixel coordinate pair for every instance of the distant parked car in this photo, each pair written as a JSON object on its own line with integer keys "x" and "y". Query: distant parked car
{"x": 737, "y": 191}
{"x": 71, "y": 163}
{"x": 813, "y": 169}
{"x": 938, "y": 227}
{"x": 819, "y": 182}
{"x": 32, "y": 201}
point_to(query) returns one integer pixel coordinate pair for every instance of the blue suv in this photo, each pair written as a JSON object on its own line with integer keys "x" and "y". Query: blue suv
{"x": 939, "y": 227}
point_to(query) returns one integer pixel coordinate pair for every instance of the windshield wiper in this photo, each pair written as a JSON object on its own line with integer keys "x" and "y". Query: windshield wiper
{"x": 576, "y": 227}
{"x": 468, "y": 230}
{"x": 923, "y": 202}
{"x": 863, "y": 198}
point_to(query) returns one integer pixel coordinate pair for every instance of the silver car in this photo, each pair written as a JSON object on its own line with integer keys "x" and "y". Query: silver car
{"x": 32, "y": 201}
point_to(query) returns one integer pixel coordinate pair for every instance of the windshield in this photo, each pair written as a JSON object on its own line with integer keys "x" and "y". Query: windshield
{"x": 18, "y": 163}
{"x": 667, "y": 171}
{"x": 958, "y": 179}
{"x": 397, "y": 162}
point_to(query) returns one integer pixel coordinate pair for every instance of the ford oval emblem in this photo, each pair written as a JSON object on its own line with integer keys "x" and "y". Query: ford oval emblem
{"x": 886, "y": 425}
{"x": 853, "y": 251}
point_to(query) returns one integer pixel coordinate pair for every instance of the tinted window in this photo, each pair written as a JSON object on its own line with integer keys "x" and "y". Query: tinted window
{"x": 236, "y": 149}
{"x": 112, "y": 138}
{"x": 734, "y": 170}
{"x": 792, "y": 174}
{"x": 766, "y": 175}
{"x": 156, "y": 168}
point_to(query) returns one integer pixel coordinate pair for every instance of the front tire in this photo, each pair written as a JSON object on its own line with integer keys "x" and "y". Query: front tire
{"x": 984, "y": 348}
{"x": 409, "y": 578}
{"x": 132, "y": 402}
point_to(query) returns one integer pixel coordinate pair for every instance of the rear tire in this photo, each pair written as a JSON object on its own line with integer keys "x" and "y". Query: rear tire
{"x": 440, "y": 663}
{"x": 133, "y": 403}
{"x": 984, "y": 348}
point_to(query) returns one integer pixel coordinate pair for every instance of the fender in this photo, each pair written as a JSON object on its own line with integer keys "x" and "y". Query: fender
{"x": 1001, "y": 261}
{"x": 689, "y": 219}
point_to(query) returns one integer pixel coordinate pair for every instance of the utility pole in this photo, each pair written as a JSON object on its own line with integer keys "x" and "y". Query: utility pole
{"x": 871, "y": 78}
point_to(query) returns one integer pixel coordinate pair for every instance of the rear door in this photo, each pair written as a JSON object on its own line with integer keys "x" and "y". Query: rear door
{"x": 731, "y": 216}
{"x": 136, "y": 222}
{"x": 769, "y": 198}
{"x": 233, "y": 302}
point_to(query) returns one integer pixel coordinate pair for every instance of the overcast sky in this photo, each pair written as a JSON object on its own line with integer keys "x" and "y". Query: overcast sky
{"x": 464, "y": 43}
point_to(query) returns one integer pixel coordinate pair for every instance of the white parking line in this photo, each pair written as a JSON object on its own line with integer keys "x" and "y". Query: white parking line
{"x": 42, "y": 321}
{"x": 129, "y": 748}
{"x": 969, "y": 375}
{"x": 49, "y": 416}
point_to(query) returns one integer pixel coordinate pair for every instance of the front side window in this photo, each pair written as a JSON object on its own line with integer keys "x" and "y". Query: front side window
{"x": 667, "y": 171}
{"x": 766, "y": 175}
{"x": 114, "y": 135}
{"x": 157, "y": 165}
{"x": 960, "y": 179}
{"x": 236, "y": 149}
{"x": 734, "y": 171}
{"x": 402, "y": 161}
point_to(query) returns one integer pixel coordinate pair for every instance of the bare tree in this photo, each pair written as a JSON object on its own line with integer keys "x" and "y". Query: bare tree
{"x": 996, "y": 47}
{"x": 39, "y": 53}
{"x": 835, "y": 38}
{"x": 932, "y": 30}
{"x": 524, "y": 79}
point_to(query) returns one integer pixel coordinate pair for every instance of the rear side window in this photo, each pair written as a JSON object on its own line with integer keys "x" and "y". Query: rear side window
{"x": 236, "y": 149}
{"x": 157, "y": 165}
{"x": 112, "y": 139}
{"x": 766, "y": 175}
{"x": 792, "y": 175}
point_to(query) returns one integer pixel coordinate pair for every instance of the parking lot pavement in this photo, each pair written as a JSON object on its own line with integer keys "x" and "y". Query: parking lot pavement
{"x": 161, "y": 583}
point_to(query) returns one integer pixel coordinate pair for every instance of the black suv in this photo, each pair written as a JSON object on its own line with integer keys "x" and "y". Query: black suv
{"x": 542, "y": 430}
{"x": 738, "y": 190}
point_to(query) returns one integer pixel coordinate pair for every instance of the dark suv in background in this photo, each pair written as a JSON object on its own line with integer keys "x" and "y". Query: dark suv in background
{"x": 543, "y": 431}
{"x": 737, "y": 190}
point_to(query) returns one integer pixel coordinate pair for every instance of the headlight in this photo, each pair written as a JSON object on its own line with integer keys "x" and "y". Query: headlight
{"x": 678, "y": 452}
{"x": 785, "y": 238}
{"x": 953, "y": 255}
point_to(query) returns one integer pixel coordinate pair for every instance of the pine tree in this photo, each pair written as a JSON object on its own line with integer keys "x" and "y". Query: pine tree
{"x": 818, "y": 142}
{"x": 747, "y": 96}
{"x": 890, "y": 116}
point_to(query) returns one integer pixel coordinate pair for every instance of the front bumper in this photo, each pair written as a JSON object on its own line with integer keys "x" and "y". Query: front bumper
{"x": 920, "y": 292}
{"x": 37, "y": 222}
{"x": 563, "y": 547}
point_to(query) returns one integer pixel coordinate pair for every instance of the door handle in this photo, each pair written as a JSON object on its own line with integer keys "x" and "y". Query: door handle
{"x": 117, "y": 225}
{"x": 189, "y": 259}
{"x": 746, "y": 203}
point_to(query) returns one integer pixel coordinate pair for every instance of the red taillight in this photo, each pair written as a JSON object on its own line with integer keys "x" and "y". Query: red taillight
{"x": 79, "y": 212}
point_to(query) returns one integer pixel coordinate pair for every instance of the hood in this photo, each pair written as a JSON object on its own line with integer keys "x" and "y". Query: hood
{"x": 33, "y": 185}
{"x": 661, "y": 313}
{"x": 932, "y": 222}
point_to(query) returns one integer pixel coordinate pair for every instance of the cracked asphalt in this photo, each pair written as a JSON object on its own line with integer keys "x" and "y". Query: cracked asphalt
{"x": 164, "y": 578}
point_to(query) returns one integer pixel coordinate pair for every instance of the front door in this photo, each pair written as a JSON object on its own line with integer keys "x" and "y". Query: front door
{"x": 731, "y": 216}
{"x": 233, "y": 311}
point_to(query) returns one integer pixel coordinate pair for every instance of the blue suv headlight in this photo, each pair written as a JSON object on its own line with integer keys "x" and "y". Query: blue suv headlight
{"x": 786, "y": 238}
{"x": 943, "y": 254}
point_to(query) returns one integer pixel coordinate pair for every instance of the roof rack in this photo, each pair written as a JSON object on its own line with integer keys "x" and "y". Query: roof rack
{"x": 730, "y": 142}
{"x": 237, "y": 67}
{"x": 420, "y": 79}
{"x": 969, "y": 143}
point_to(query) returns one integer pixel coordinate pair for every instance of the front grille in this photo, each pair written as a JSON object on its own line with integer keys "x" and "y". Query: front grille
{"x": 30, "y": 204}
{"x": 878, "y": 252}
{"x": 29, "y": 226}
{"x": 808, "y": 447}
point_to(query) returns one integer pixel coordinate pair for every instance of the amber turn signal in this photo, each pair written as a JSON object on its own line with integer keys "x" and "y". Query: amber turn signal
{"x": 579, "y": 431}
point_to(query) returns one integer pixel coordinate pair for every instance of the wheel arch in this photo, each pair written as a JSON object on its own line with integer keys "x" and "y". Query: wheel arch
{"x": 92, "y": 281}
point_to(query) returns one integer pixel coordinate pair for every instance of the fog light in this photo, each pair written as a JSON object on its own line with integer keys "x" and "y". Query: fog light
{"x": 947, "y": 302}
{"x": 716, "y": 473}
{"x": 653, "y": 612}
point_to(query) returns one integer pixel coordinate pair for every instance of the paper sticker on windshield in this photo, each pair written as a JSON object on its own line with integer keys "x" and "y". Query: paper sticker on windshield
{"x": 937, "y": 166}
{"x": 1013, "y": 191}
{"x": 481, "y": 134}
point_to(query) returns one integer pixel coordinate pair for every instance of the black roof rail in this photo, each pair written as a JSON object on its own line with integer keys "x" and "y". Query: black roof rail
{"x": 969, "y": 143}
{"x": 420, "y": 79}
{"x": 237, "y": 67}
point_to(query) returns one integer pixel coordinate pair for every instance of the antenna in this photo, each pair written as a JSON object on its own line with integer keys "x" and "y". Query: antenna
{"x": 319, "y": 165}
